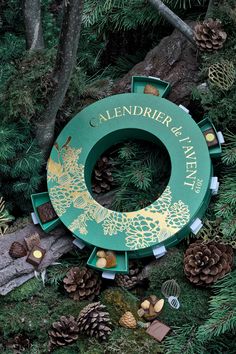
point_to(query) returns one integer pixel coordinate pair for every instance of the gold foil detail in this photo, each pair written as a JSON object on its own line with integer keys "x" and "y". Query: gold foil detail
{"x": 37, "y": 254}
{"x": 142, "y": 228}
{"x": 210, "y": 137}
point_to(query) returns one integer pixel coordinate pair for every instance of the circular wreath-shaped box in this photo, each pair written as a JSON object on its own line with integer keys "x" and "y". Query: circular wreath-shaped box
{"x": 105, "y": 123}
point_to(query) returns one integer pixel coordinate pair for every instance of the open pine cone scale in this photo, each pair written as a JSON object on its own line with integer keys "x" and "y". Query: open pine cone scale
{"x": 206, "y": 263}
{"x": 64, "y": 331}
{"x": 131, "y": 279}
{"x": 95, "y": 322}
{"x": 82, "y": 283}
{"x": 209, "y": 35}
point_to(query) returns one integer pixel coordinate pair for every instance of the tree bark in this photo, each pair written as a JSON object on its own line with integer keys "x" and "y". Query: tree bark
{"x": 64, "y": 65}
{"x": 212, "y": 4}
{"x": 15, "y": 272}
{"x": 33, "y": 24}
{"x": 174, "y": 60}
{"x": 175, "y": 20}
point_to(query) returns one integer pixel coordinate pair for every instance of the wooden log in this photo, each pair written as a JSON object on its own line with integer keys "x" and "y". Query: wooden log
{"x": 15, "y": 272}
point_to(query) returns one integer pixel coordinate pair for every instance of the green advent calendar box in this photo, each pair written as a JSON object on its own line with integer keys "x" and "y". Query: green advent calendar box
{"x": 113, "y": 120}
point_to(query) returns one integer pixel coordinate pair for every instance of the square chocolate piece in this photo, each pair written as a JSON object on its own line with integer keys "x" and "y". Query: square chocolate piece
{"x": 210, "y": 136}
{"x": 36, "y": 256}
{"x": 32, "y": 240}
{"x": 158, "y": 330}
{"x": 46, "y": 212}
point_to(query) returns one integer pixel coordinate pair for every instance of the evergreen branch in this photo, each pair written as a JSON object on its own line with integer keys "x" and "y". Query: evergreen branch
{"x": 184, "y": 4}
{"x": 222, "y": 310}
{"x": 176, "y": 21}
{"x": 229, "y": 150}
{"x": 57, "y": 272}
{"x": 127, "y": 14}
{"x": 140, "y": 171}
{"x": 225, "y": 207}
{"x": 184, "y": 341}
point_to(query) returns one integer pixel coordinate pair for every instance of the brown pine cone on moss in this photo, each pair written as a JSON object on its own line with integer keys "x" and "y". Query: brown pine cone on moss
{"x": 102, "y": 179}
{"x": 209, "y": 35}
{"x": 94, "y": 321}
{"x": 19, "y": 344}
{"x": 64, "y": 332}
{"x": 131, "y": 279}
{"x": 204, "y": 263}
{"x": 82, "y": 283}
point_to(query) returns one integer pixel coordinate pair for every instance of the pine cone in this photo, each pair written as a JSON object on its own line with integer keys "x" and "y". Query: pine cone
{"x": 82, "y": 283}
{"x": 65, "y": 331}
{"x": 19, "y": 344}
{"x": 209, "y": 35}
{"x": 17, "y": 250}
{"x": 94, "y": 322}
{"x": 130, "y": 280}
{"x": 128, "y": 320}
{"x": 204, "y": 264}
{"x": 102, "y": 179}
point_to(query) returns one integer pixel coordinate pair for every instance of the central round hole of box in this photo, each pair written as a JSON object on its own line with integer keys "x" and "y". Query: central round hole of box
{"x": 130, "y": 175}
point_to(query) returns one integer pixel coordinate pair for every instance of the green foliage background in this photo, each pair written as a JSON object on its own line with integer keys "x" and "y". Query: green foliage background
{"x": 205, "y": 322}
{"x": 115, "y": 36}
{"x": 220, "y": 106}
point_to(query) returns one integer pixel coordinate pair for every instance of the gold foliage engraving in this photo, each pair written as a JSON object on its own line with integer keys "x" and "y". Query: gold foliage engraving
{"x": 142, "y": 228}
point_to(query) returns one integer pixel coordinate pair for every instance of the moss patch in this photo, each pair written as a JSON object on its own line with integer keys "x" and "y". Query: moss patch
{"x": 193, "y": 300}
{"x": 118, "y": 301}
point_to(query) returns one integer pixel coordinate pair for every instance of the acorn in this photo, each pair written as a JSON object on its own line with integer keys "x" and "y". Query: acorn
{"x": 101, "y": 254}
{"x": 101, "y": 263}
{"x": 111, "y": 259}
{"x": 159, "y": 305}
{"x": 17, "y": 250}
{"x": 151, "y": 90}
{"x": 145, "y": 305}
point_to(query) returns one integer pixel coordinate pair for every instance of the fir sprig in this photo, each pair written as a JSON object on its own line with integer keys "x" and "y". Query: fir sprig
{"x": 140, "y": 172}
{"x": 225, "y": 206}
{"x": 20, "y": 164}
{"x": 217, "y": 333}
{"x": 222, "y": 309}
{"x": 184, "y": 341}
{"x": 229, "y": 151}
{"x": 57, "y": 272}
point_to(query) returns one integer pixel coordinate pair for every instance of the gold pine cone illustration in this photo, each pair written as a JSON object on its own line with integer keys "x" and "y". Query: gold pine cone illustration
{"x": 128, "y": 320}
